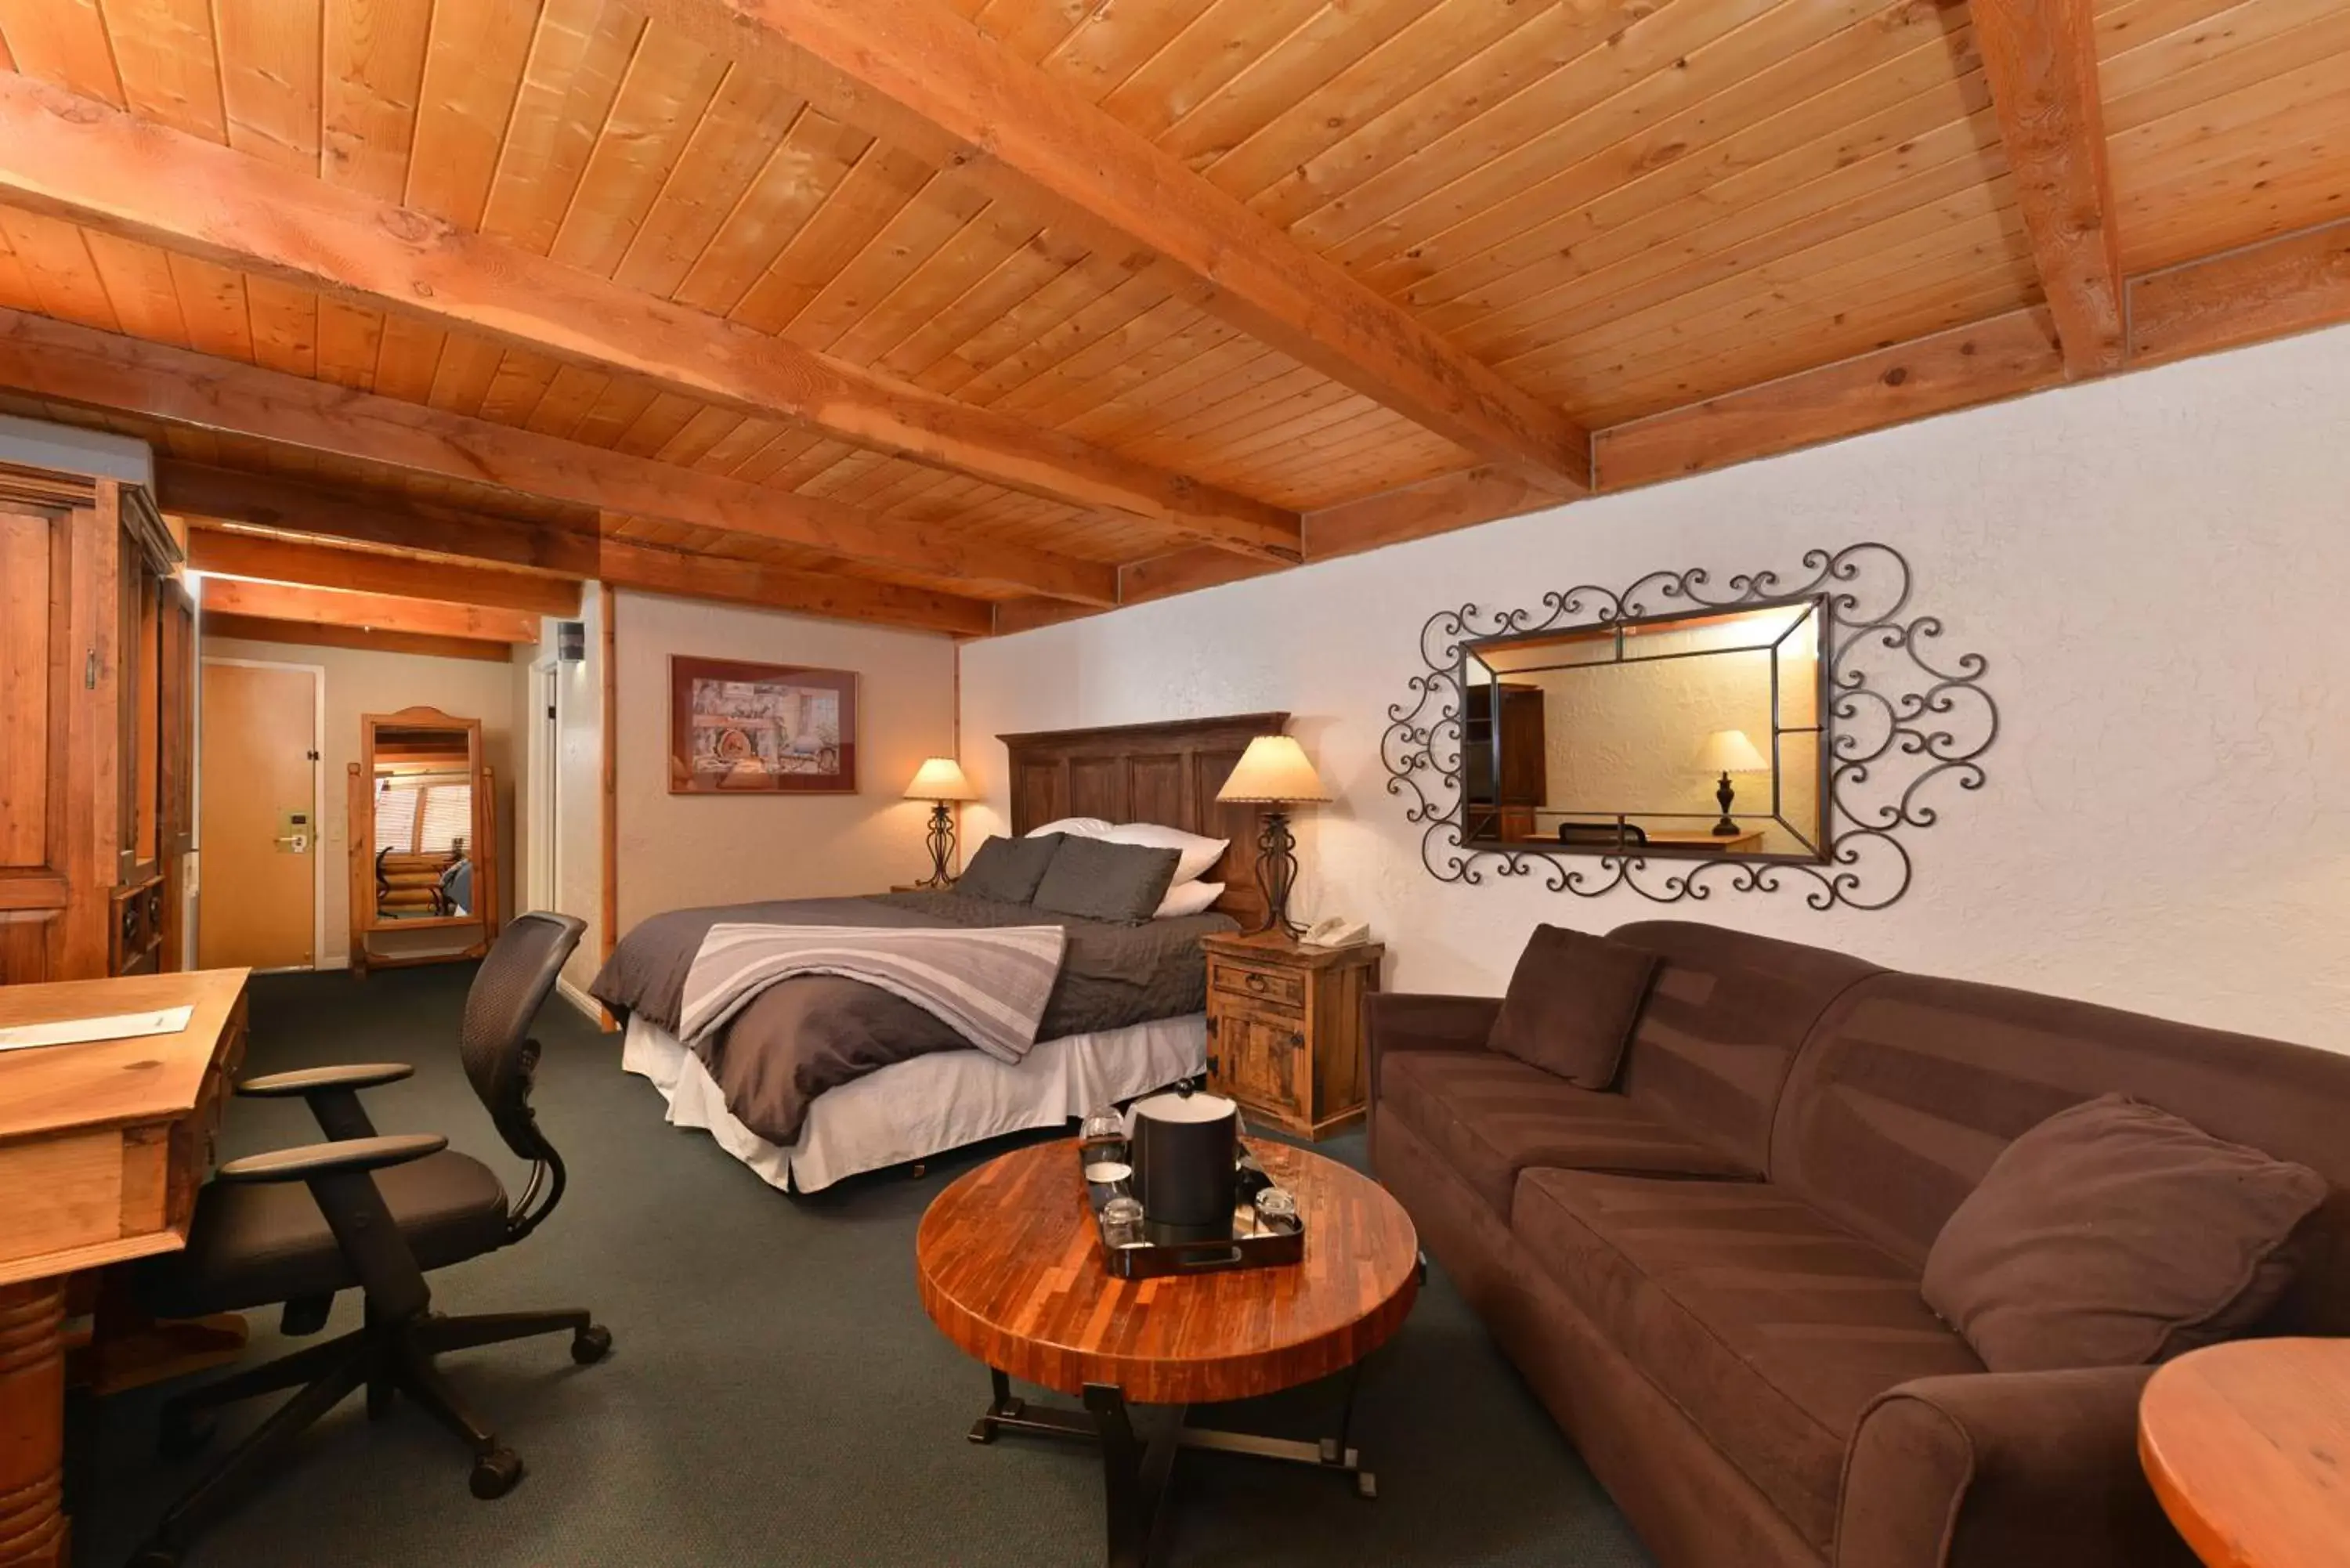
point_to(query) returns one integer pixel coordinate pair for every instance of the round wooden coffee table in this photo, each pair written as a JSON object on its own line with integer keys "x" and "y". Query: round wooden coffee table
{"x": 2244, "y": 1443}
{"x": 1011, "y": 1271}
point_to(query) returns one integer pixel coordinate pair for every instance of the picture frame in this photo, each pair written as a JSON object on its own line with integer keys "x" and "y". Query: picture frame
{"x": 740, "y": 727}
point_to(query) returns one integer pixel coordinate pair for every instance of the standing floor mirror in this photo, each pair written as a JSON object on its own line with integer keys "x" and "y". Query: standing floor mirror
{"x": 423, "y": 835}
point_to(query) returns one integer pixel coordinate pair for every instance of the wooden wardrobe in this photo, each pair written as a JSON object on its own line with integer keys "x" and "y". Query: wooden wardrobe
{"x": 98, "y": 672}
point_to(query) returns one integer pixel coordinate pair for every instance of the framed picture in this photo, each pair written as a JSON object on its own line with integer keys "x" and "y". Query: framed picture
{"x": 760, "y": 729}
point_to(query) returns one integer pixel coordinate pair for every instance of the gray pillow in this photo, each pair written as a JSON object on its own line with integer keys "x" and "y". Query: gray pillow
{"x": 1094, "y": 879}
{"x": 2115, "y": 1234}
{"x": 1008, "y": 870}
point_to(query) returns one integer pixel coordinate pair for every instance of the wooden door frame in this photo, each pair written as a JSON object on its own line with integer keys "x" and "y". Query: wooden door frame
{"x": 318, "y": 956}
{"x": 545, "y": 749}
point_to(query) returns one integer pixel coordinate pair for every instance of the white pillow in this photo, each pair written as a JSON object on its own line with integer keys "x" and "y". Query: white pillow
{"x": 1190, "y": 899}
{"x": 1075, "y": 827}
{"x": 1196, "y": 853}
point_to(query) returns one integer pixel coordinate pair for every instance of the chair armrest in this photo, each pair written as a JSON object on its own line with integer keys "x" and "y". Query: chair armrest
{"x": 1999, "y": 1468}
{"x": 312, "y": 1080}
{"x": 315, "y": 1159}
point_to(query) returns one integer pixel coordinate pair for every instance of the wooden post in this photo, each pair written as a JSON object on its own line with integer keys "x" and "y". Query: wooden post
{"x": 359, "y": 836}
{"x": 33, "y": 1529}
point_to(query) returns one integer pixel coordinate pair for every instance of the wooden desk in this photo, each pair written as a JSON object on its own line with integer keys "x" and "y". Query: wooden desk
{"x": 1746, "y": 842}
{"x": 2244, "y": 1444}
{"x": 101, "y": 1149}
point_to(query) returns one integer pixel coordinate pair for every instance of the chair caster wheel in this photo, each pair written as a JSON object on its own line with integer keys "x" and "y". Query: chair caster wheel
{"x": 179, "y": 1437}
{"x": 155, "y": 1555}
{"x": 591, "y": 1344}
{"x": 495, "y": 1472}
{"x": 1367, "y": 1485}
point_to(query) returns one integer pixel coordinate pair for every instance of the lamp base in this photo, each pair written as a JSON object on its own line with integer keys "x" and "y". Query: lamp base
{"x": 941, "y": 840}
{"x": 1725, "y": 828}
{"x": 1276, "y": 873}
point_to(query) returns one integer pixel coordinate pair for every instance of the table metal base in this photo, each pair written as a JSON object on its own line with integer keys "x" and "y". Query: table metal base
{"x": 1135, "y": 1471}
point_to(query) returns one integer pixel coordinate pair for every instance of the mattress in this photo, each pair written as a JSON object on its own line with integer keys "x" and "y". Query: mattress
{"x": 925, "y": 1105}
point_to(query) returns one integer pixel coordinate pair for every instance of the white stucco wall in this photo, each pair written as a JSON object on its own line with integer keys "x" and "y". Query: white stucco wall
{"x": 2154, "y": 567}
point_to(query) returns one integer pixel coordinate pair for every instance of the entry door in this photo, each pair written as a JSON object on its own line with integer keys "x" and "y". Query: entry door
{"x": 258, "y": 882}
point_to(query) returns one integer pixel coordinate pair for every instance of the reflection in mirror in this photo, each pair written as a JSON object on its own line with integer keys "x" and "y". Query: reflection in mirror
{"x": 1695, "y": 734}
{"x": 423, "y": 791}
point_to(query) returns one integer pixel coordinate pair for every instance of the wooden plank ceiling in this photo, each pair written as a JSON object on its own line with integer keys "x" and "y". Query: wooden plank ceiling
{"x": 1053, "y": 304}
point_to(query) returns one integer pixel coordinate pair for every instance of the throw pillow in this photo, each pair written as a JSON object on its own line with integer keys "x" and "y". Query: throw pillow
{"x": 1198, "y": 852}
{"x": 2117, "y": 1234}
{"x": 1572, "y": 1004}
{"x": 1188, "y": 899}
{"x": 1008, "y": 870}
{"x": 1096, "y": 880}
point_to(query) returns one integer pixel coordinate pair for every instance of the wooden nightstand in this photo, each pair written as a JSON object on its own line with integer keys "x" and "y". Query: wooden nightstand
{"x": 1285, "y": 1028}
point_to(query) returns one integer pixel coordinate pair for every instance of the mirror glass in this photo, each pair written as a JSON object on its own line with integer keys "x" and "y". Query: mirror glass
{"x": 424, "y": 790}
{"x": 1627, "y": 735}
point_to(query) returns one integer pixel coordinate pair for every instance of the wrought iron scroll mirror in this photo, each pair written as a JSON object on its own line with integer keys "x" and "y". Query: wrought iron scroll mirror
{"x": 1867, "y": 736}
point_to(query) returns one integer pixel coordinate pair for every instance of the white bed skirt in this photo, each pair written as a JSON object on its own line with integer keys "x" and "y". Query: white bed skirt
{"x": 928, "y": 1104}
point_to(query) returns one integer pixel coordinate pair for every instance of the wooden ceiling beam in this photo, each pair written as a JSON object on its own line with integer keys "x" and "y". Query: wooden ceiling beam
{"x": 252, "y": 629}
{"x": 267, "y": 500}
{"x": 2040, "y": 58}
{"x": 2296, "y": 282}
{"x": 271, "y": 501}
{"x": 2004, "y": 357}
{"x": 917, "y": 73}
{"x": 266, "y": 559}
{"x": 77, "y": 159}
{"x": 2289, "y": 285}
{"x": 369, "y": 612}
{"x": 102, "y": 370}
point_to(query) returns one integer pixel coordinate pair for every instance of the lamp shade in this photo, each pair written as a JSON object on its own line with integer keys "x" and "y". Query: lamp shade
{"x": 1272, "y": 770}
{"x": 1729, "y": 752}
{"x": 941, "y": 778}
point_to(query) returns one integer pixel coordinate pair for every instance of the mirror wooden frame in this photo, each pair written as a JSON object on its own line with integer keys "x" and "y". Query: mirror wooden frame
{"x": 360, "y": 826}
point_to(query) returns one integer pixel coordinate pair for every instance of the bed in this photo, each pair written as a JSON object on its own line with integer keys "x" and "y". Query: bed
{"x": 822, "y": 1077}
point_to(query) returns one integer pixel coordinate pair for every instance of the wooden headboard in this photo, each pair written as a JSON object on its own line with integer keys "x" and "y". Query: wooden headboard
{"x": 1167, "y": 772}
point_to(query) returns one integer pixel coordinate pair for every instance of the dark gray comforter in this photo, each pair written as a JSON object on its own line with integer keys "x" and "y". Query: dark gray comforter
{"x": 815, "y": 1032}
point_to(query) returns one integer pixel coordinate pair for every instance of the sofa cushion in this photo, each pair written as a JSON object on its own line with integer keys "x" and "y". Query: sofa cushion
{"x": 1724, "y": 1018}
{"x": 1911, "y": 1087}
{"x": 2115, "y": 1234}
{"x": 1771, "y": 1328}
{"x": 1571, "y": 1005}
{"x": 1492, "y": 1115}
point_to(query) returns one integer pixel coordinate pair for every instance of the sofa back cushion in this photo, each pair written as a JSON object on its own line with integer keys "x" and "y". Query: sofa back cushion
{"x": 1723, "y": 1019}
{"x": 1911, "y": 1087}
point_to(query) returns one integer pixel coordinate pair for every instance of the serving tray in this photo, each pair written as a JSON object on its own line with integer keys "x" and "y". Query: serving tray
{"x": 1252, "y": 1244}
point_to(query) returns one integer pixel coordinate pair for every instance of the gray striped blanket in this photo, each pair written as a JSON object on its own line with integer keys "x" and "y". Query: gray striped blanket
{"x": 988, "y": 984}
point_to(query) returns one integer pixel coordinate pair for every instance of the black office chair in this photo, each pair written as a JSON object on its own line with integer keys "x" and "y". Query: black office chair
{"x": 378, "y": 1212}
{"x": 1602, "y": 835}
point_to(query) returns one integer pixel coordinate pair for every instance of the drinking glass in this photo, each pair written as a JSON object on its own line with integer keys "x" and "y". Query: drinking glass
{"x": 1121, "y": 1222}
{"x": 1276, "y": 1209}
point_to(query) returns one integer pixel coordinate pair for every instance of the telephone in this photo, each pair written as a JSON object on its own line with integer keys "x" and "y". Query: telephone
{"x": 1337, "y": 932}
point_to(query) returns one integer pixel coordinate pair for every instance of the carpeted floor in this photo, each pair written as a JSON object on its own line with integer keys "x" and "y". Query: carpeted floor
{"x": 776, "y": 1396}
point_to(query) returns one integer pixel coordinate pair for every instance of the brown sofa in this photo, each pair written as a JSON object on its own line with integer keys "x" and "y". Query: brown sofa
{"x": 1711, "y": 1273}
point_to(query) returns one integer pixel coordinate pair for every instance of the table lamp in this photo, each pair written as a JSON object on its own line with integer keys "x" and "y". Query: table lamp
{"x": 1729, "y": 752}
{"x": 940, "y": 780}
{"x": 1273, "y": 772}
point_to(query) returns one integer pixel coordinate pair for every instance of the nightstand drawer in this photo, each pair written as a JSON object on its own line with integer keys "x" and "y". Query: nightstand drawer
{"x": 1282, "y": 988}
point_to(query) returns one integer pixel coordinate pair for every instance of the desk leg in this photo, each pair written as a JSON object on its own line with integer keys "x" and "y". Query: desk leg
{"x": 32, "y": 1425}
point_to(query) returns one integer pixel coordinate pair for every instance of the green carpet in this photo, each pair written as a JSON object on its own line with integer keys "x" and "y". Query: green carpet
{"x": 776, "y": 1396}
